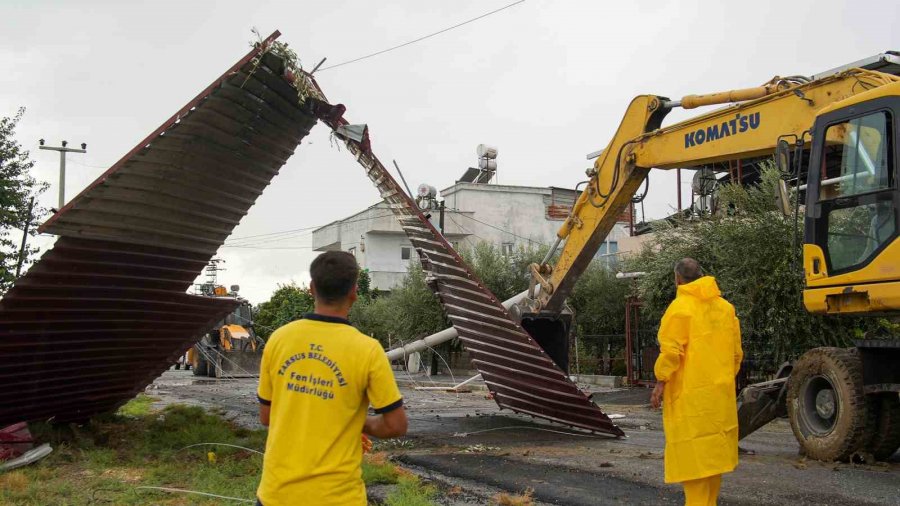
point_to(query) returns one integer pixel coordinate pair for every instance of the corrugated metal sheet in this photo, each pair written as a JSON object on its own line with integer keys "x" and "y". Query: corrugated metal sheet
{"x": 105, "y": 310}
{"x": 518, "y": 372}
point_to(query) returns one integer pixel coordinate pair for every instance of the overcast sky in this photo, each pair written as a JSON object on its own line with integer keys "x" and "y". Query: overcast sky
{"x": 546, "y": 82}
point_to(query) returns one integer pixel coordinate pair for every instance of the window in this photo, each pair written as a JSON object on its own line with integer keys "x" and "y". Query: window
{"x": 608, "y": 247}
{"x": 506, "y": 249}
{"x": 855, "y": 233}
{"x": 857, "y": 159}
{"x": 405, "y": 252}
{"x": 855, "y": 191}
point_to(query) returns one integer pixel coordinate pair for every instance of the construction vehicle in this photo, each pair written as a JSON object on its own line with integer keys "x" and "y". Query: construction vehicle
{"x": 230, "y": 348}
{"x": 838, "y": 132}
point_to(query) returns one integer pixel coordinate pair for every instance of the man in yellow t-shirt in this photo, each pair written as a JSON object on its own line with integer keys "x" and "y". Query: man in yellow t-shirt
{"x": 317, "y": 379}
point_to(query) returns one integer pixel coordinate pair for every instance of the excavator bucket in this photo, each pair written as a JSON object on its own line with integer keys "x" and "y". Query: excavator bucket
{"x": 520, "y": 374}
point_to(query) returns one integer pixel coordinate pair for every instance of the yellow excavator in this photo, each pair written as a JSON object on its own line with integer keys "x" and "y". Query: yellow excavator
{"x": 839, "y": 131}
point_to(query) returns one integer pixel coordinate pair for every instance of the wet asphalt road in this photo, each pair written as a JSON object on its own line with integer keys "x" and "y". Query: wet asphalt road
{"x": 465, "y": 438}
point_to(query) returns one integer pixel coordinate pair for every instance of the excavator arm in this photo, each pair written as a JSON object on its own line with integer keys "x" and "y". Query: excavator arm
{"x": 784, "y": 108}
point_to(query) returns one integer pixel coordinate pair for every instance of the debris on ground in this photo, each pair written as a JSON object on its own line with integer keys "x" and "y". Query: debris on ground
{"x": 525, "y": 499}
{"x": 480, "y": 448}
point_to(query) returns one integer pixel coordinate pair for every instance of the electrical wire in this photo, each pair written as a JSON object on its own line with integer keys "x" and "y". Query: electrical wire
{"x": 304, "y": 229}
{"x": 220, "y": 444}
{"x": 348, "y": 62}
{"x": 492, "y": 226}
{"x": 269, "y": 247}
{"x": 464, "y": 229}
{"x": 196, "y": 492}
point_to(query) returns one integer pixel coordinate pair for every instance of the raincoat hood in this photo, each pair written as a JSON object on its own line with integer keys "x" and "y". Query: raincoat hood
{"x": 703, "y": 288}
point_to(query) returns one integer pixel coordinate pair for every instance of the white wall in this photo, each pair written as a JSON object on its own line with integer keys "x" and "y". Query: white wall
{"x": 497, "y": 214}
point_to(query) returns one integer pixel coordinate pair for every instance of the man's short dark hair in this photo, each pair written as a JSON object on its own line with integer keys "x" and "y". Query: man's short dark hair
{"x": 688, "y": 270}
{"x": 334, "y": 274}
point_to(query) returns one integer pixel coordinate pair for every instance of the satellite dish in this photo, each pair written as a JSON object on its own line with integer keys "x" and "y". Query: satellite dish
{"x": 426, "y": 191}
{"x": 704, "y": 182}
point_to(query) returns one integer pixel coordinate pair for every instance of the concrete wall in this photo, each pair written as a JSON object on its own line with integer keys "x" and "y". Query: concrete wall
{"x": 508, "y": 217}
{"x": 513, "y": 215}
{"x": 375, "y": 237}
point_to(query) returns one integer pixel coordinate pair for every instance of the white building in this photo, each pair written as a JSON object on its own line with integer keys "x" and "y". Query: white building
{"x": 509, "y": 217}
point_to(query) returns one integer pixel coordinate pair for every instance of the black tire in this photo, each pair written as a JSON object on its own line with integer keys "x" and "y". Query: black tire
{"x": 211, "y": 369}
{"x": 177, "y": 366}
{"x": 201, "y": 367}
{"x": 826, "y": 404}
{"x": 886, "y": 433}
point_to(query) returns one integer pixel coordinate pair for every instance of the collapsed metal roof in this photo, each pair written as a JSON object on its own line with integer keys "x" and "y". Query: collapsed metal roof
{"x": 104, "y": 311}
{"x": 519, "y": 373}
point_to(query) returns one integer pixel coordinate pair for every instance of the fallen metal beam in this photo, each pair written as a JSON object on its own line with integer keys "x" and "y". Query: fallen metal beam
{"x": 519, "y": 373}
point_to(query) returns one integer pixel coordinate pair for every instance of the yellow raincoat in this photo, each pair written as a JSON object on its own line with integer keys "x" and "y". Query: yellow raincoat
{"x": 700, "y": 354}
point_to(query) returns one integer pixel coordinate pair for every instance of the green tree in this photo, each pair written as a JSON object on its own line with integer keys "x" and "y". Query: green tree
{"x": 753, "y": 251}
{"x": 409, "y": 311}
{"x": 17, "y": 187}
{"x": 599, "y": 301}
{"x": 288, "y": 303}
{"x": 504, "y": 275}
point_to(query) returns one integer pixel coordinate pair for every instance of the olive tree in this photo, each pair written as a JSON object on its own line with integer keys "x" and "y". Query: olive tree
{"x": 753, "y": 251}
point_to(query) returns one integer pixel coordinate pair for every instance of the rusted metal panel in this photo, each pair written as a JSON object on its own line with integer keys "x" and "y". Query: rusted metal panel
{"x": 105, "y": 311}
{"x": 518, "y": 372}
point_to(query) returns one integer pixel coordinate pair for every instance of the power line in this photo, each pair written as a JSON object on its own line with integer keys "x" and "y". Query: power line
{"x": 268, "y": 247}
{"x": 450, "y": 217}
{"x": 495, "y": 228}
{"x": 421, "y": 38}
{"x": 273, "y": 236}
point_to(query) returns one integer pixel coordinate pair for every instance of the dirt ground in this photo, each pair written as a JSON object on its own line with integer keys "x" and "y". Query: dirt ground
{"x": 466, "y": 445}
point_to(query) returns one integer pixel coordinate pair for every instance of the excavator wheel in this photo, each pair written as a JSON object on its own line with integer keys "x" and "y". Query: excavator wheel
{"x": 886, "y": 435}
{"x": 827, "y": 407}
{"x": 201, "y": 366}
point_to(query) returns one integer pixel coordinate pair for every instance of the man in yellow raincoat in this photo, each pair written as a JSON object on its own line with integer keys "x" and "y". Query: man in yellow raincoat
{"x": 700, "y": 354}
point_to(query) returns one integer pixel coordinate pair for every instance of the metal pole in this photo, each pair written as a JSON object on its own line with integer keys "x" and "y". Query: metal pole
{"x": 62, "y": 166}
{"x": 678, "y": 175}
{"x": 440, "y": 337}
{"x": 62, "y": 179}
{"x": 442, "y": 218}
{"x": 403, "y": 179}
{"x": 24, "y": 238}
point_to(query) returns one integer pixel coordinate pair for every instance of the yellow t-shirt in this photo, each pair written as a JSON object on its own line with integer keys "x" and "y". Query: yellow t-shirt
{"x": 319, "y": 375}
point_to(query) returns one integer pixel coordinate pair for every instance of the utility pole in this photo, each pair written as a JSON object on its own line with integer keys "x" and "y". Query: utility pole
{"x": 62, "y": 165}
{"x": 24, "y": 237}
{"x": 441, "y": 222}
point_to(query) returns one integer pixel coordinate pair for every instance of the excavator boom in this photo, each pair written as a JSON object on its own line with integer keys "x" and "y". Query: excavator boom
{"x": 781, "y": 109}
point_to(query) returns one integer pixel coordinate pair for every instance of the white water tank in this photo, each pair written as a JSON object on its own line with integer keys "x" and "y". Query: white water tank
{"x": 485, "y": 151}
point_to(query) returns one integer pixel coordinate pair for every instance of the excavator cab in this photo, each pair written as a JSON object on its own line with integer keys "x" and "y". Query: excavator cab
{"x": 851, "y": 253}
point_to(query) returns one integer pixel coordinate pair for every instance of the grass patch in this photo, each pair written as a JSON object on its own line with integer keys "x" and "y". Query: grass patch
{"x": 139, "y": 406}
{"x": 411, "y": 492}
{"x": 104, "y": 461}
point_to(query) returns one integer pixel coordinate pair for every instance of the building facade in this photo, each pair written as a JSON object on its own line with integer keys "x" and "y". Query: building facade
{"x": 509, "y": 217}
